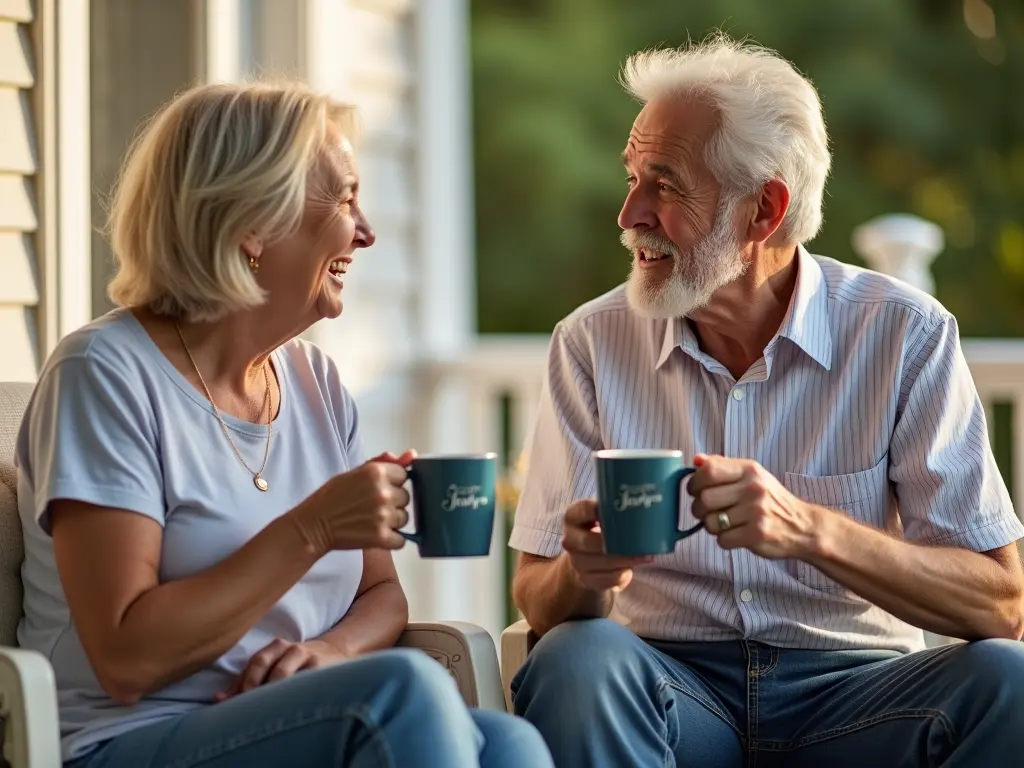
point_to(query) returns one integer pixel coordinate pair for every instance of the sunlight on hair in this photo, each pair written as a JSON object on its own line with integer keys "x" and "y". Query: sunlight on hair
{"x": 771, "y": 120}
{"x": 217, "y": 163}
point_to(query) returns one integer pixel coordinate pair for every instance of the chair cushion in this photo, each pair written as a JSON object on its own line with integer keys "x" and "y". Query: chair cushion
{"x": 13, "y": 399}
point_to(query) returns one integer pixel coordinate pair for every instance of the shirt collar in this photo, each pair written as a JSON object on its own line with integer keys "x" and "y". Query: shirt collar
{"x": 806, "y": 322}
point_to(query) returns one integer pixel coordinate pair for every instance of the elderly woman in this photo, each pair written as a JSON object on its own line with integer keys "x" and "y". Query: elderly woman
{"x": 208, "y": 560}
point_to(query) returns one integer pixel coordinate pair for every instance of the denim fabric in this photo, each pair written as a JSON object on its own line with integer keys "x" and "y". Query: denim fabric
{"x": 601, "y": 696}
{"x": 394, "y": 709}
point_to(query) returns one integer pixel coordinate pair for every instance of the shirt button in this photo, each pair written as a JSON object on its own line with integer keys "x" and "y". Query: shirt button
{"x": 746, "y": 595}
{"x": 737, "y": 394}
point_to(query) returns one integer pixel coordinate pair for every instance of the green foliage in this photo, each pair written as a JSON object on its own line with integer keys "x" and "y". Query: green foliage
{"x": 925, "y": 117}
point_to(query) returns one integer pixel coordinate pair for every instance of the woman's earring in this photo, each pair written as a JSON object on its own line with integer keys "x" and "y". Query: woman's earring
{"x": 254, "y": 265}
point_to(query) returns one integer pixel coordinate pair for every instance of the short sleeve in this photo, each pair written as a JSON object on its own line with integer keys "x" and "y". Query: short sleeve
{"x": 343, "y": 410}
{"x": 947, "y": 484}
{"x": 89, "y": 435}
{"x": 566, "y": 433}
{"x": 353, "y": 439}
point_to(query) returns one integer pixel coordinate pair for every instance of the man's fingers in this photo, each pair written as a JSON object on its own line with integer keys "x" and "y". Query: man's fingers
{"x": 582, "y": 540}
{"x": 607, "y": 563}
{"x": 718, "y": 497}
{"x": 581, "y": 514}
{"x": 737, "y": 538}
{"x": 737, "y": 517}
{"x": 715, "y": 470}
{"x": 617, "y": 580}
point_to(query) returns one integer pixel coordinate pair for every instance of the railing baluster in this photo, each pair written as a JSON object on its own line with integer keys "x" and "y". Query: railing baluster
{"x": 1017, "y": 452}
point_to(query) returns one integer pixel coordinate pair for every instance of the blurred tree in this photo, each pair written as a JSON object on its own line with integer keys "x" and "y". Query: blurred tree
{"x": 921, "y": 97}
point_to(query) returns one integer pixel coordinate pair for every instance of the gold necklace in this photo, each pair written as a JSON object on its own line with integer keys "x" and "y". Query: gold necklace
{"x": 257, "y": 477}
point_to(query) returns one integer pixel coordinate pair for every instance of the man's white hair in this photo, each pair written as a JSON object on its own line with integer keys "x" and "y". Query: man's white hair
{"x": 771, "y": 126}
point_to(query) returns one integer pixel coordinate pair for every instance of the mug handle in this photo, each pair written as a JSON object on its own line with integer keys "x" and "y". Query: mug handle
{"x": 414, "y": 536}
{"x": 682, "y": 474}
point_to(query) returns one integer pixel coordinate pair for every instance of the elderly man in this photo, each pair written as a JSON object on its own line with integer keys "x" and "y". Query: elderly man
{"x": 845, "y": 480}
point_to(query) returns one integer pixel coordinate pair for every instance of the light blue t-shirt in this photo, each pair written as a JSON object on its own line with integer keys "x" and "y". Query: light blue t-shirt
{"x": 113, "y": 423}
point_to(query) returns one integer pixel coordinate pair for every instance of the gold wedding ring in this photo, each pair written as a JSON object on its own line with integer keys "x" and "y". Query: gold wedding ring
{"x": 724, "y": 523}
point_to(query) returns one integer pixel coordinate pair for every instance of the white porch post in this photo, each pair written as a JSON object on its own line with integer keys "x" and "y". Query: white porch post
{"x": 218, "y": 36}
{"x": 469, "y": 590}
{"x": 63, "y": 93}
{"x": 73, "y": 202}
{"x": 447, "y": 288}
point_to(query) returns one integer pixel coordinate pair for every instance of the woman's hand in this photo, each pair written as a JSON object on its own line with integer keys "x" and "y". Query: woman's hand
{"x": 281, "y": 659}
{"x": 359, "y": 509}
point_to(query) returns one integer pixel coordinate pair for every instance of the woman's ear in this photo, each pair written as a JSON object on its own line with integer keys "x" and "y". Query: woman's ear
{"x": 252, "y": 247}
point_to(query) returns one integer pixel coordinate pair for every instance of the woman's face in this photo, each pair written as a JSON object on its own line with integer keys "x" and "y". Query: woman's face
{"x": 304, "y": 272}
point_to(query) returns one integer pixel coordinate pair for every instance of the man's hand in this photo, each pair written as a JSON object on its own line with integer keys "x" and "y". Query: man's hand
{"x": 584, "y": 545}
{"x": 281, "y": 659}
{"x": 761, "y": 514}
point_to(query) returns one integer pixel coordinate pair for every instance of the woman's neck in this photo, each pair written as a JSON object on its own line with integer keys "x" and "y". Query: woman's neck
{"x": 226, "y": 360}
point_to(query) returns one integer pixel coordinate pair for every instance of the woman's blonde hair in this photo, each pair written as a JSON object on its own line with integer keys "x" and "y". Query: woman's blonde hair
{"x": 215, "y": 164}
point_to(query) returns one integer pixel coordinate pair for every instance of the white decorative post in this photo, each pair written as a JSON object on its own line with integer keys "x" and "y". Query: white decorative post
{"x": 902, "y": 246}
{"x": 218, "y": 33}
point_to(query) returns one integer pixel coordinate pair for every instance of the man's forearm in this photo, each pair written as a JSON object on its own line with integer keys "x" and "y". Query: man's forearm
{"x": 948, "y": 591}
{"x": 375, "y": 621}
{"x": 548, "y": 594}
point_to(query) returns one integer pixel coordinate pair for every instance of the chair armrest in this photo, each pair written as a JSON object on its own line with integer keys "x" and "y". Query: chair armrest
{"x": 467, "y": 652}
{"x": 516, "y": 643}
{"x": 28, "y": 707}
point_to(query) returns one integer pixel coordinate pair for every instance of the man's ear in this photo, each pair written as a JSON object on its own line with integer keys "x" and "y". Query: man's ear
{"x": 771, "y": 205}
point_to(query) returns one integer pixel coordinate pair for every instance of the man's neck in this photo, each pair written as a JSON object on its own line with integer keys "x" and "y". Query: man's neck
{"x": 745, "y": 315}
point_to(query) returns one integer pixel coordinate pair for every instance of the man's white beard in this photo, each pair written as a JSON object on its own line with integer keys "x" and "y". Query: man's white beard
{"x": 712, "y": 263}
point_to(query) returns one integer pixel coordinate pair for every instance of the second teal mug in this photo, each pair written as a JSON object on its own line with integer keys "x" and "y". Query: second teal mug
{"x": 453, "y": 504}
{"x": 638, "y": 493}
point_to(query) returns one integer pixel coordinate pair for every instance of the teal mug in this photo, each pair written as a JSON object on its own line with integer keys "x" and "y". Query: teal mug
{"x": 453, "y": 504}
{"x": 638, "y": 493}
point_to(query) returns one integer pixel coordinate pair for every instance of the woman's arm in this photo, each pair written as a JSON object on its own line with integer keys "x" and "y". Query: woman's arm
{"x": 374, "y": 621}
{"x": 379, "y": 613}
{"x": 141, "y": 635}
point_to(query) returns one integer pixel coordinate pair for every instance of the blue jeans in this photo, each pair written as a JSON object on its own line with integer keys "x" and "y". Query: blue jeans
{"x": 391, "y": 709}
{"x": 601, "y": 696}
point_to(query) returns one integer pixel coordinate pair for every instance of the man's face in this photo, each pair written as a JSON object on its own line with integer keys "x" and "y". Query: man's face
{"x": 681, "y": 230}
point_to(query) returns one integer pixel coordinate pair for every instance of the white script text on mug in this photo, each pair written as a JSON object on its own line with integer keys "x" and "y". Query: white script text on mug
{"x": 463, "y": 497}
{"x": 631, "y": 496}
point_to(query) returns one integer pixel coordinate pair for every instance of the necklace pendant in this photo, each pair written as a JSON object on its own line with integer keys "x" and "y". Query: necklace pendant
{"x": 260, "y": 483}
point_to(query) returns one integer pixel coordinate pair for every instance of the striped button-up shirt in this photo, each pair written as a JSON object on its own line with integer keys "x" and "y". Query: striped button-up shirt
{"x": 862, "y": 403}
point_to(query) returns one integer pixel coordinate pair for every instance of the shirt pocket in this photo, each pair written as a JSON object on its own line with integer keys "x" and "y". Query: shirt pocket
{"x": 864, "y": 496}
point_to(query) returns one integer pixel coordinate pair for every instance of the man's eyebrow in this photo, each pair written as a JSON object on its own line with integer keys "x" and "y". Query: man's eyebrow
{"x": 668, "y": 172}
{"x": 659, "y": 168}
